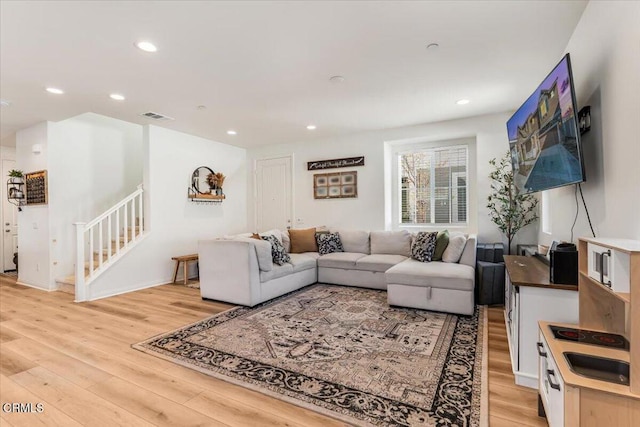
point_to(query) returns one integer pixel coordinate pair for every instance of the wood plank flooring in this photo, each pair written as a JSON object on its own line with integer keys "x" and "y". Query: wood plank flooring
{"x": 76, "y": 360}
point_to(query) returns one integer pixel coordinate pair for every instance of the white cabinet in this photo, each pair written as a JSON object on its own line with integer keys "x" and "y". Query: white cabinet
{"x": 527, "y": 302}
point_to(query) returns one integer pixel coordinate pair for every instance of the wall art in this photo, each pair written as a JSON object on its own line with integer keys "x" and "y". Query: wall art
{"x": 337, "y": 185}
{"x": 336, "y": 163}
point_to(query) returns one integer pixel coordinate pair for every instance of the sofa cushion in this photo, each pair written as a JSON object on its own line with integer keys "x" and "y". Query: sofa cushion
{"x": 303, "y": 240}
{"x": 340, "y": 260}
{"x": 278, "y": 271}
{"x": 278, "y": 254}
{"x": 302, "y": 262}
{"x": 391, "y": 242}
{"x": 454, "y": 249}
{"x": 314, "y": 255}
{"x": 441, "y": 244}
{"x": 286, "y": 241}
{"x": 263, "y": 252}
{"x": 354, "y": 240}
{"x": 424, "y": 245}
{"x": 329, "y": 243}
{"x": 432, "y": 274}
{"x": 378, "y": 262}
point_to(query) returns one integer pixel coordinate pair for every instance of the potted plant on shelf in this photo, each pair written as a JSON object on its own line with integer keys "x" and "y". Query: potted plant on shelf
{"x": 219, "y": 181}
{"x": 16, "y": 176}
{"x": 215, "y": 181}
{"x": 509, "y": 209}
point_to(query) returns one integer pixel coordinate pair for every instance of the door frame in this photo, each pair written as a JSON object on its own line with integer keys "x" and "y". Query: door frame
{"x": 3, "y": 195}
{"x": 292, "y": 169}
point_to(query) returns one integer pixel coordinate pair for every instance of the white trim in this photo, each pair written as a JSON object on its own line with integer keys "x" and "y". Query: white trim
{"x": 416, "y": 145}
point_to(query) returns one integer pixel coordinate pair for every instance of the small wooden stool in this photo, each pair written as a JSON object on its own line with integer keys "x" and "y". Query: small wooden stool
{"x": 185, "y": 259}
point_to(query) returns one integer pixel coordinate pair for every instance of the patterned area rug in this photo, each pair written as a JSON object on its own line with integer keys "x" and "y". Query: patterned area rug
{"x": 344, "y": 352}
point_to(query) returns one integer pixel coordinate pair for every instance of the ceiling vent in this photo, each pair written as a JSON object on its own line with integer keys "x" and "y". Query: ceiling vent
{"x": 156, "y": 116}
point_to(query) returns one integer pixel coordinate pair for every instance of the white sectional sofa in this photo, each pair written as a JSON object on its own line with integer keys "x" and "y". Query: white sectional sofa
{"x": 240, "y": 270}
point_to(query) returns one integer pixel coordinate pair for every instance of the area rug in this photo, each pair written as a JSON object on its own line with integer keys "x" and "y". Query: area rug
{"x": 342, "y": 351}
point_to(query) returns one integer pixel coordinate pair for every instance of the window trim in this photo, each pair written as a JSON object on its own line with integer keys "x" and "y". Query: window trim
{"x": 432, "y": 182}
{"x": 393, "y": 200}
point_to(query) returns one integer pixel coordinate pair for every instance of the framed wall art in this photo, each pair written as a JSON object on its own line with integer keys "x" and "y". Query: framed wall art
{"x": 36, "y": 187}
{"x": 337, "y": 185}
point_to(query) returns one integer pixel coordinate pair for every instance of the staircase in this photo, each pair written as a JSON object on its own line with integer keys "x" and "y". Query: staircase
{"x": 103, "y": 241}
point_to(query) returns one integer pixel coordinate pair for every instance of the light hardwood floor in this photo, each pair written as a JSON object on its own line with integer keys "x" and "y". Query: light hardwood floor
{"x": 76, "y": 359}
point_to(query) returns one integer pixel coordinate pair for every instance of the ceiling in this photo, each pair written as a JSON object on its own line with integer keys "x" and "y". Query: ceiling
{"x": 262, "y": 68}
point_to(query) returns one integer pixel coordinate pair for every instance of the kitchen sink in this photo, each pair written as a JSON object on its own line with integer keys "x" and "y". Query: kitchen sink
{"x": 598, "y": 368}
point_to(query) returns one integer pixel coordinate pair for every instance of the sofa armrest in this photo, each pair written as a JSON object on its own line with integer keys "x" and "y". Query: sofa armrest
{"x": 229, "y": 271}
{"x": 469, "y": 254}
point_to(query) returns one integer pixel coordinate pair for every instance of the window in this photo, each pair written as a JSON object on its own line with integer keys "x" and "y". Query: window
{"x": 433, "y": 186}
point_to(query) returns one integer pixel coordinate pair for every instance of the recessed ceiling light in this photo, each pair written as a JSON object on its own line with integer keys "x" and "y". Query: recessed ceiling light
{"x": 4, "y": 103}
{"x": 232, "y": 132}
{"x": 55, "y": 90}
{"x": 147, "y": 46}
{"x": 311, "y": 127}
{"x": 462, "y": 101}
{"x": 117, "y": 97}
{"x": 336, "y": 79}
{"x": 433, "y": 46}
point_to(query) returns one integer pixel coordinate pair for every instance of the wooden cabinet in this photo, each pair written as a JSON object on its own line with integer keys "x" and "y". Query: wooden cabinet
{"x": 529, "y": 298}
{"x": 609, "y": 302}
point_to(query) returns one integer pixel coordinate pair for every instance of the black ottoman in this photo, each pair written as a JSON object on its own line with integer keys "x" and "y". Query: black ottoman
{"x": 490, "y": 282}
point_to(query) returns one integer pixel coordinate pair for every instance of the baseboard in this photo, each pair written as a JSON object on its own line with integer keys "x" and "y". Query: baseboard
{"x": 18, "y": 282}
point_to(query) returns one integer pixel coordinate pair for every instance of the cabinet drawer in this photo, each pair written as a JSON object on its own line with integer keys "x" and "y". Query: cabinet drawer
{"x": 550, "y": 385}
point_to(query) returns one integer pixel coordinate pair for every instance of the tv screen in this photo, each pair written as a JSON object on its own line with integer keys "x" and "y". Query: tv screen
{"x": 544, "y": 137}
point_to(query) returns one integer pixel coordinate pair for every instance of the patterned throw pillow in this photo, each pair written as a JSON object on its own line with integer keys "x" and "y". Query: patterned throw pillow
{"x": 328, "y": 243}
{"x": 424, "y": 246}
{"x": 279, "y": 255}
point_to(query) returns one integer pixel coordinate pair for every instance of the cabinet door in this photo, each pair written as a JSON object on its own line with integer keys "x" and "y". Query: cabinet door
{"x": 550, "y": 385}
{"x": 515, "y": 327}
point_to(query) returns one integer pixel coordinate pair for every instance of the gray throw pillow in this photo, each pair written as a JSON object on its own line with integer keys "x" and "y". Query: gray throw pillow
{"x": 279, "y": 255}
{"x": 424, "y": 246}
{"x": 328, "y": 243}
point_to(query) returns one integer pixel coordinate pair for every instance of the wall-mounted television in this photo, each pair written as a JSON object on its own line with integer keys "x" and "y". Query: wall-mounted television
{"x": 544, "y": 137}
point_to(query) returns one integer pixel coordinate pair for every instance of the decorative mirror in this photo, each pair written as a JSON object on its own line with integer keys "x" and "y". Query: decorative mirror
{"x": 199, "y": 182}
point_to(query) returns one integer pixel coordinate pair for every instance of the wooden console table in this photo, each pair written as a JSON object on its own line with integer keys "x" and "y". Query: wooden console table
{"x": 530, "y": 297}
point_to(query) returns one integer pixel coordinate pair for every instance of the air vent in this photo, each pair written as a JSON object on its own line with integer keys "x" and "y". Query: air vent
{"x": 156, "y": 116}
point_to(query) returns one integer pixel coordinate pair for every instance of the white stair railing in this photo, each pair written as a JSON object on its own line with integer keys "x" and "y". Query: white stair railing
{"x": 116, "y": 239}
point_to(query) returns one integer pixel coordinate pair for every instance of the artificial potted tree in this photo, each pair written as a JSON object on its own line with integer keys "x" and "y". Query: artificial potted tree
{"x": 509, "y": 209}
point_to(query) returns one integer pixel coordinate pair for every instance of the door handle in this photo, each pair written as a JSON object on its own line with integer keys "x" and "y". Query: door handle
{"x": 8, "y": 231}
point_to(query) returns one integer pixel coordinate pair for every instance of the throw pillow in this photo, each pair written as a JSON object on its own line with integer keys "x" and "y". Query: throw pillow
{"x": 303, "y": 240}
{"x": 278, "y": 253}
{"x": 442, "y": 241}
{"x": 328, "y": 243}
{"x": 256, "y": 236}
{"x": 424, "y": 246}
{"x": 455, "y": 248}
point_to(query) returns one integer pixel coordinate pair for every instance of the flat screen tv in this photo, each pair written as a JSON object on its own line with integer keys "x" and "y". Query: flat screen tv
{"x": 544, "y": 137}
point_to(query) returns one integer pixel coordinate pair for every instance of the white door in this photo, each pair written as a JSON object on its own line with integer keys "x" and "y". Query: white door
{"x": 9, "y": 220}
{"x": 273, "y": 198}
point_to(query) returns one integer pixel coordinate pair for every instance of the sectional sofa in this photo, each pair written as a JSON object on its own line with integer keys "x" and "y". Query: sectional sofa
{"x": 240, "y": 270}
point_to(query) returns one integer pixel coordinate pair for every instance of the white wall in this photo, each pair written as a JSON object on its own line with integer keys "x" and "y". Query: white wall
{"x": 606, "y": 69}
{"x": 33, "y": 222}
{"x": 368, "y": 211}
{"x": 176, "y": 224}
{"x": 94, "y": 161}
